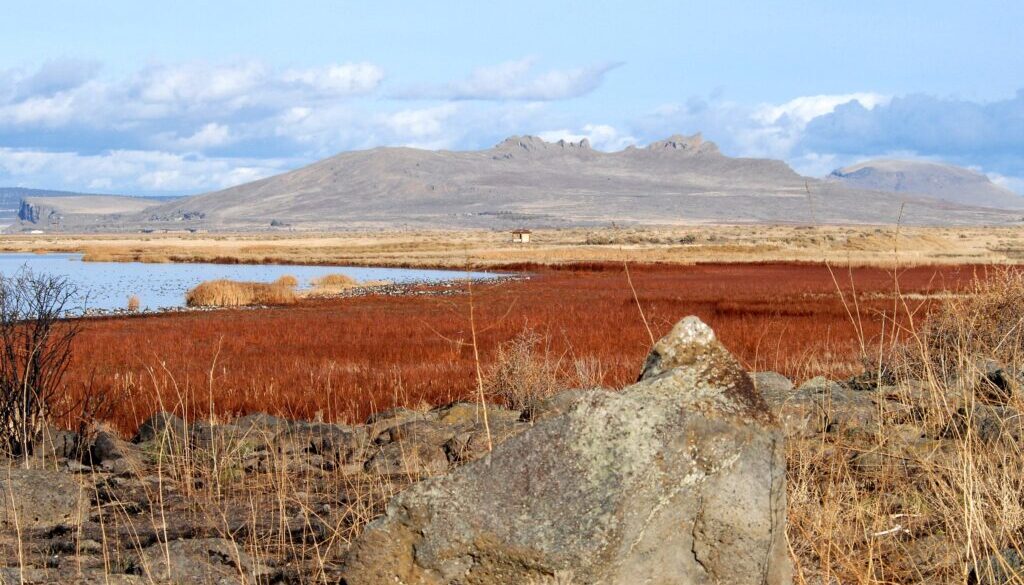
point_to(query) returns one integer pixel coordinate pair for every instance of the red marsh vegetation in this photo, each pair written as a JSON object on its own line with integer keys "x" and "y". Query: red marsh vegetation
{"x": 343, "y": 358}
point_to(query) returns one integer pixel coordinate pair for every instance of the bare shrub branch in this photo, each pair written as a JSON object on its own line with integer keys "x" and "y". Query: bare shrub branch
{"x": 35, "y": 348}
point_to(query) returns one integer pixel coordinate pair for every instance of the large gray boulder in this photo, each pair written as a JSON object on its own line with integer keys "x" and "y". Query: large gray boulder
{"x": 40, "y": 499}
{"x": 203, "y": 560}
{"x": 677, "y": 479}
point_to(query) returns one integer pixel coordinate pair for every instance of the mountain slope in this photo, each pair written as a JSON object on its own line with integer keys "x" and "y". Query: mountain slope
{"x": 526, "y": 181}
{"x": 941, "y": 181}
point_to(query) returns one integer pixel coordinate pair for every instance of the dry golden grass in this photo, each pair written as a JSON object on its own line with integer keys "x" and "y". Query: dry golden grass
{"x": 335, "y": 281}
{"x": 134, "y": 303}
{"x": 864, "y": 245}
{"x": 932, "y": 492}
{"x": 230, "y": 293}
{"x": 301, "y": 514}
{"x": 331, "y": 285}
{"x": 287, "y": 280}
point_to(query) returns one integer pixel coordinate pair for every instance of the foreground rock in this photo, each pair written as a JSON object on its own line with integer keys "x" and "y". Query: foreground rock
{"x": 202, "y": 560}
{"x": 39, "y": 499}
{"x": 676, "y": 479}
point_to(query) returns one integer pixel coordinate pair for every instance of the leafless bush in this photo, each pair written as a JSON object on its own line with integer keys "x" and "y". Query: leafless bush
{"x": 525, "y": 371}
{"x": 35, "y": 347}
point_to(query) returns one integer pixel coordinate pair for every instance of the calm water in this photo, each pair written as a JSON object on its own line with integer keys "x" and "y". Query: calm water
{"x": 109, "y": 284}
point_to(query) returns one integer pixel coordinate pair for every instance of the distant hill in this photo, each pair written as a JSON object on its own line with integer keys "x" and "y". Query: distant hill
{"x": 941, "y": 181}
{"x": 525, "y": 181}
{"x": 49, "y": 209}
{"x": 10, "y": 200}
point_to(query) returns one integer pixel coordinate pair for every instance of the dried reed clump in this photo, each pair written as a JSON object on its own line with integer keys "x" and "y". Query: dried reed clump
{"x": 287, "y": 280}
{"x": 134, "y": 303}
{"x": 335, "y": 281}
{"x": 230, "y": 293}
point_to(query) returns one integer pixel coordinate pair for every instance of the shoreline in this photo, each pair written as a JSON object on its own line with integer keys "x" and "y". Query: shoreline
{"x": 403, "y": 289}
{"x": 476, "y": 250}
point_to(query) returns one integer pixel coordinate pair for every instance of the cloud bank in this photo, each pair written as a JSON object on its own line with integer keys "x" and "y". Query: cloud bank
{"x": 817, "y": 134}
{"x": 990, "y": 134}
{"x": 517, "y": 80}
{"x": 196, "y": 126}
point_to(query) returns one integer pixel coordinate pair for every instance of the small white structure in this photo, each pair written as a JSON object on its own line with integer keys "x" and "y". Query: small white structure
{"x": 521, "y": 236}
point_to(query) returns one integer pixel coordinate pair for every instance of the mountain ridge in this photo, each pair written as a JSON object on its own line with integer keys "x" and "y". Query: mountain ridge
{"x": 525, "y": 181}
{"x": 942, "y": 181}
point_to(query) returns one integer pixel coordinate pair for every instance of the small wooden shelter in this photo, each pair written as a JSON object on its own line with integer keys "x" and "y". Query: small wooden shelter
{"x": 521, "y": 236}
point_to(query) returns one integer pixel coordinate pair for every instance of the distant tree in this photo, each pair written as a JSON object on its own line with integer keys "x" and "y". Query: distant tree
{"x": 35, "y": 348}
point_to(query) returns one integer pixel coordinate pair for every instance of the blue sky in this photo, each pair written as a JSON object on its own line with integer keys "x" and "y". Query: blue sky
{"x": 127, "y": 96}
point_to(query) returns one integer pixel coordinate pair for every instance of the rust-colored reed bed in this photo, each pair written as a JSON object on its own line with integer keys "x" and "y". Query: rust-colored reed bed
{"x": 344, "y": 358}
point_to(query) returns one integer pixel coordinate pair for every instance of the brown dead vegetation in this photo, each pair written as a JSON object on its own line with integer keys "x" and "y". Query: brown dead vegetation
{"x": 231, "y": 293}
{"x": 857, "y": 245}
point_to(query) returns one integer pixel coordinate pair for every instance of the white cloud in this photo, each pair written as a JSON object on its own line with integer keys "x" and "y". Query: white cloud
{"x": 50, "y": 78}
{"x": 803, "y": 109}
{"x": 45, "y": 111}
{"x": 129, "y": 171}
{"x": 517, "y": 80}
{"x": 209, "y": 136}
{"x": 346, "y": 79}
{"x": 173, "y": 95}
{"x": 197, "y": 83}
{"x": 927, "y": 125}
{"x": 100, "y": 184}
{"x": 420, "y": 123}
{"x": 1015, "y": 184}
{"x": 762, "y": 130}
{"x": 601, "y": 137}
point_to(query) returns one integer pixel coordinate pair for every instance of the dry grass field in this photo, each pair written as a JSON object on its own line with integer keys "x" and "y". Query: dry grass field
{"x": 859, "y": 246}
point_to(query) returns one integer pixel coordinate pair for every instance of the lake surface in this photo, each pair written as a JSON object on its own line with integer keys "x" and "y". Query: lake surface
{"x": 158, "y": 286}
